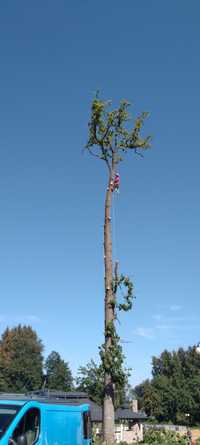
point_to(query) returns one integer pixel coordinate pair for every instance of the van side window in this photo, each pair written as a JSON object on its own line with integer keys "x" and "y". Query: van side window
{"x": 86, "y": 425}
{"x": 28, "y": 426}
{"x": 7, "y": 414}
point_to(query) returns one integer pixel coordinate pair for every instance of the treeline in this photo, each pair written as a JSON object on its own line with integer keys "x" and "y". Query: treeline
{"x": 22, "y": 364}
{"x": 173, "y": 394}
{"x": 23, "y": 368}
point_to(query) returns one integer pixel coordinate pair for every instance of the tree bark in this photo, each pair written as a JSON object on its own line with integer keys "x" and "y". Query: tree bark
{"x": 108, "y": 405}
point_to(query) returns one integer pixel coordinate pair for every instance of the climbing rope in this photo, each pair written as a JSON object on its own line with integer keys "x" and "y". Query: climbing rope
{"x": 114, "y": 226}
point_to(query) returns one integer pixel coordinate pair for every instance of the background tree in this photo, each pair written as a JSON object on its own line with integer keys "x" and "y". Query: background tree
{"x": 110, "y": 139}
{"x": 91, "y": 380}
{"x": 21, "y": 360}
{"x": 175, "y": 387}
{"x": 58, "y": 373}
{"x": 147, "y": 397}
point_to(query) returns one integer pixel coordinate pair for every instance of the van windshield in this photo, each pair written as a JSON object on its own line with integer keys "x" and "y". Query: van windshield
{"x": 7, "y": 414}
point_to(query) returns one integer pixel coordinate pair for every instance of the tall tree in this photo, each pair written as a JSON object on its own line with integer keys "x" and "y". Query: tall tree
{"x": 21, "y": 359}
{"x": 109, "y": 139}
{"x": 58, "y": 373}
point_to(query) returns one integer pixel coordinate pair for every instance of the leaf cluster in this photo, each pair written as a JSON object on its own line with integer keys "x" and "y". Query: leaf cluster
{"x": 120, "y": 283}
{"x": 112, "y": 357}
{"x": 109, "y": 135}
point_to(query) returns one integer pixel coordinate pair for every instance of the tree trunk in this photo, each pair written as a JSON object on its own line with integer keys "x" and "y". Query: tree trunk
{"x": 108, "y": 405}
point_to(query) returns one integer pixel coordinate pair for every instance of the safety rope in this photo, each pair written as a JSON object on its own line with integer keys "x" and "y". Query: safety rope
{"x": 114, "y": 227}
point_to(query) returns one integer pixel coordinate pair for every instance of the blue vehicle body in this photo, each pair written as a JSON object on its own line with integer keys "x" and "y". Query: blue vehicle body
{"x": 43, "y": 422}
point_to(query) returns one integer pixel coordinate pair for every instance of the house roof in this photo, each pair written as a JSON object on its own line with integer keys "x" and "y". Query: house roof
{"x": 128, "y": 414}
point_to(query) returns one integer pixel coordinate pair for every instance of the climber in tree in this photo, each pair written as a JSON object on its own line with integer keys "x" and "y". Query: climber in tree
{"x": 116, "y": 183}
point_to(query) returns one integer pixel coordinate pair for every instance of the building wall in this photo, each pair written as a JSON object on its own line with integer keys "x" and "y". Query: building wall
{"x": 129, "y": 435}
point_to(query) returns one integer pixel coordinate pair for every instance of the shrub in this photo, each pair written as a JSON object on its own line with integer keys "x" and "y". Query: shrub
{"x": 163, "y": 437}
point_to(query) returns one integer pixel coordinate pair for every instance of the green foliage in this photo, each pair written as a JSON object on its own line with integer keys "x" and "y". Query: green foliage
{"x": 124, "y": 281}
{"x": 163, "y": 437}
{"x": 21, "y": 360}
{"x": 108, "y": 131}
{"x": 96, "y": 440}
{"x": 175, "y": 387}
{"x": 58, "y": 373}
{"x": 112, "y": 357}
{"x": 91, "y": 380}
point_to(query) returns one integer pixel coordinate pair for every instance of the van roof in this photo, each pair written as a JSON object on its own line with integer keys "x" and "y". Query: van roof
{"x": 21, "y": 399}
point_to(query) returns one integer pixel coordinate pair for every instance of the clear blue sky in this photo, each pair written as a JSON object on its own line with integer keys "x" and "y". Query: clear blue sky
{"x": 54, "y": 55}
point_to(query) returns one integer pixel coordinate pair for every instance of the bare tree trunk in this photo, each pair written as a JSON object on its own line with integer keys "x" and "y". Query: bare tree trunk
{"x": 108, "y": 405}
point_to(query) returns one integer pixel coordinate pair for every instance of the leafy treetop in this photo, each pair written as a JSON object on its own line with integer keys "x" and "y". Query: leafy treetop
{"x": 21, "y": 360}
{"x": 58, "y": 373}
{"x": 109, "y": 136}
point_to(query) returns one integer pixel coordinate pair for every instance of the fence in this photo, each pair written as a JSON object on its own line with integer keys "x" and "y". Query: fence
{"x": 177, "y": 428}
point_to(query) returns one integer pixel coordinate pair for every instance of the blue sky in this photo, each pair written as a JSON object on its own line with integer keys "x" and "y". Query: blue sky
{"x": 54, "y": 55}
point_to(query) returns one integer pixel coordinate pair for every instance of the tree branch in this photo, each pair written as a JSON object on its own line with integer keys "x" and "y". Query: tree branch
{"x": 93, "y": 154}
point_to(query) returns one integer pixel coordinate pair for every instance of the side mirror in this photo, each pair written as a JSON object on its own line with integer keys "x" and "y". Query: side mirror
{"x": 21, "y": 440}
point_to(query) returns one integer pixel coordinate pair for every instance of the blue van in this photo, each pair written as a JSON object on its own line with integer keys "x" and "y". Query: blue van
{"x": 43, "y": 421}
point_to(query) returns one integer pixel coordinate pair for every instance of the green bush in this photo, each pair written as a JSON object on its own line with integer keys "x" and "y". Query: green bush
{"x": 96, "y": 440}
{"x": 163, "y": 437}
